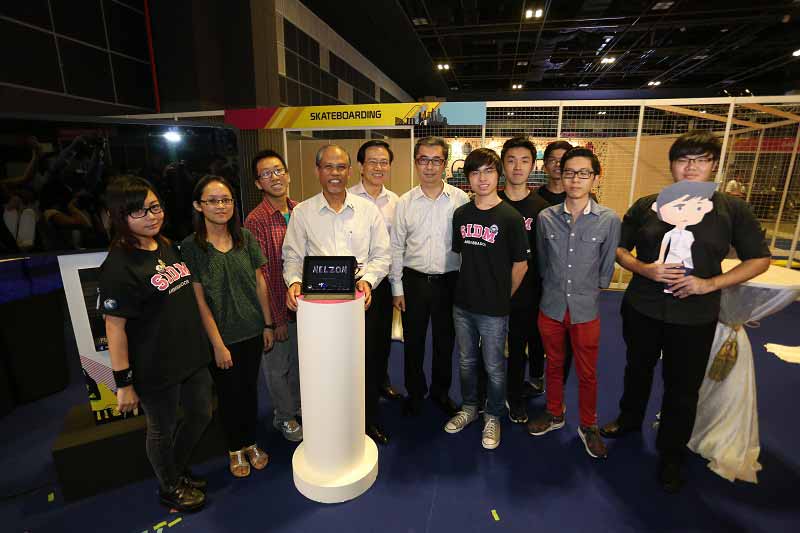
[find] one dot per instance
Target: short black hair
(580, 151)
(480, 157)
(556, 145)
(432, 141)
(696, 142)
(518, 142)
(263, 154)
(362, 152)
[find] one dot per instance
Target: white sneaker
(491, 432)
(461, 420)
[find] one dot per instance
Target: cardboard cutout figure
(682, 204)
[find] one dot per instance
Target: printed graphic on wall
(80, 275)
(366, 115)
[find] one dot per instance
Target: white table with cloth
(726, 428)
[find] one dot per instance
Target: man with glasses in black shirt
(679, 324)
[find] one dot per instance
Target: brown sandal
(239, 467)
(257, 457)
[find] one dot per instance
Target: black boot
(183, 497)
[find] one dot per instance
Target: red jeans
(585, 340)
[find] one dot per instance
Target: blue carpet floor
(430, 481)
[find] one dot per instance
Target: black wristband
(123, 378)
(269, 326)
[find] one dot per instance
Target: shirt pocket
(589, 258)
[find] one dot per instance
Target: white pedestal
(336, 461)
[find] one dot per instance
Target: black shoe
(517, 412)
(390, 393)
(669, 475)
(412, 407)
(377, 434)
(183, 498)
(446, 404)
(533, 388)
(615, 429)
(193, 481)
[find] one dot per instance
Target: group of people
(515, 267)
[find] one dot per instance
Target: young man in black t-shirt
(518, 157)
(490, 236)
(553, 191)
(678, 326)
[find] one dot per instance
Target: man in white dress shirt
(375, 158)
(424, 274)
(335, 222)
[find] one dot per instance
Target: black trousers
(428, 298)
(237, 390)
(377, 344)
(523, 333)
(685, 352)
(170, 442)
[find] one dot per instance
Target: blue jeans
(491, 332)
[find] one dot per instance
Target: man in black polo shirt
(679, 324)
(518, 156)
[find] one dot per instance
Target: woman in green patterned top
(232, 295)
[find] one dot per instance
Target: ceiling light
(583, 85)
(420, 21)
(454, 88)
(796, 53)
(657, 83)
(607, 60)
(702, 56)
(440, 66)
(654, 83)
(703, 111)
(538, 13)
(510, 113)
(724, 30)
(609, 37)
(446, 66)
(650, 83)
(661, 6)
(522, 63)
(172, 136)
(528, 13)
(601, 112)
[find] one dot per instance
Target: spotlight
(538, 13)
(446, 66)
(608, 60)
(528, 13)
(440, 66)
(172, 136)
(796, 53)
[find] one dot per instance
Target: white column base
(336, 489)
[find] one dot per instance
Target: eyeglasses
(699, 161)
(141, 213)
(277, 172)
(330, 168)
(491, 171)
(219, 202)
(378, 162)
(426, 161)
(583, 174)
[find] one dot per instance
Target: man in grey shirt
(576, 243)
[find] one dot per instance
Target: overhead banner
(362, 115)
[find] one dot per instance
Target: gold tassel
(725, 357)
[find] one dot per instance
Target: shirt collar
(446, 190)
(322, 203)
(270, 210)
(360, 190)
(586, 210)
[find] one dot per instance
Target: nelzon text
(346, 115)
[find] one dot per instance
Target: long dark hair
(125, 195)
(199, 220)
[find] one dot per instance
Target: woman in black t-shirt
(159, 351)
(232, 296)
(671, 312)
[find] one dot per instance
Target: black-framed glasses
(426, 161)
(277, 172)
(141, 213)
(700, 161)
(219, 202)
(583, 174)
